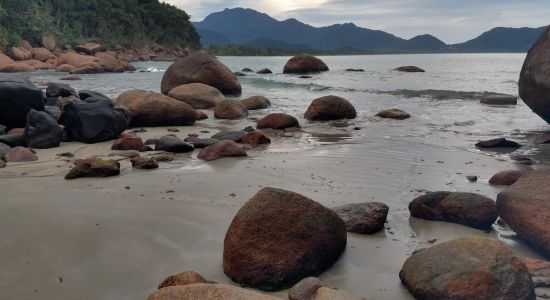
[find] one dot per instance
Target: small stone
(173, 144)
(394, 113)
(264, 71)
(173, 130)
(255, 138)
(472, 178)
(144, 163)
(94, 167)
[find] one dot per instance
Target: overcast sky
(450, 20)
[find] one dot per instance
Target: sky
(453, 21)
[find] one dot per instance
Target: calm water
(444, 101)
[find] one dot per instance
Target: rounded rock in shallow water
(221, 149)
(278, 121)
(393, 113)
(230, 110)
(170, 143)
(304, 63)
(363, 218)
(330, 108)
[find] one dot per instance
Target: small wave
(154, 70)
(269, 83)
(439, 94)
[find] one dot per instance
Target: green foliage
(239, 50)
(128, 23)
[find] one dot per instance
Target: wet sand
(119, 237)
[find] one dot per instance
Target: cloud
(451, 20)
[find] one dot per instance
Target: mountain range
(250, 28)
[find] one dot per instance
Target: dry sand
(98, 239)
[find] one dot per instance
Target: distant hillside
(112, 22)
(253, 29)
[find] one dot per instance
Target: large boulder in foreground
(198, 95)
(534, 81)
(42, 130)
(469, 268)
(154, 109)
(303, 64)
(330, 108)
(468, 209)
(525, 207)
(363, 218)
(18, 96)
(280, 237)
(201, 67)
(207, 291)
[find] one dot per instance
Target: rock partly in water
(144, 163)
(154, 109)
(256, 102)
(236, 136)
(278, 121)
(309, 238)
(224, 148)
(20, 154)
(62, 90)
(255, 138)
(330, 108)
(410, 69)
(306, 289)
(468, 209)
(170, 143)
(500, 100)
(507, 177)
(199, 143)
(305, 63)
(264, 71)
(184, 278)
(480, 268)
(201, 67)
(94, 167)
(128, 142)
(247, 70)
(42, 130)
(198, 95)
(207, 291)
(18, 96)
(363, 218)
(393, 113)
(497, 143)
(355, 70)
(525, 207)
(231, 110)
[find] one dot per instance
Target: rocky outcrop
(221, 149)
(468, 209)
(18, 96)
(278, 121)
(128, 142)
(534, 81)
(393, 113)
(94, 167)
(144, 163)
(309, 238)
(256, 102)
(207, 291)
(18, 67)
(363, 218)
(480, 268)
(525, 207)
(231, 110)
(330, 108)
(303, 64)
(201, 67)
(154, 109)
(42, 54)
(42, 130)
(198, 95)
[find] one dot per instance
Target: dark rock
(128, 142)
(181, 279)
(62, 90)
(363, 218)
(303, 237)
(468, 209)
(393, 113)
(534, 81)
(3, 129)
(151, 141)
(306, 289)
(3, 149)
(256, 102)
(2, 164)
(305, 77)
(410, 69)
(201, 115)
(94, 167)
(255, 138)
(231, 110)
(247, 70)
(85, 94)
(18, 96)
(248, 129)
(469, 268)
(278, 121)
(170, 143)
(20, 154)
(500, 100)
(70, 78)
(198, 95)
(330, 108)
(540, 272)
(14, 140)
(305, 63)
(264, 71)
(236, 136)
(239, 74)
(507, 177)
(525, 207)
(355, 70)
(89, 48)
(54, 111)
(201, 143)
(146, 148)
(201, 67)
(144, 163)
(94, 122)
(42, 130)
(498, 143)
(224, 148)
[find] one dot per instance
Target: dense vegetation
(127, 23)
(239, 50)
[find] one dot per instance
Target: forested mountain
(112, 22)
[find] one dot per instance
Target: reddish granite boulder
(231, 110)
(185, 278)
(144, 163)
(330, 108)
(394, 113)
(363, 218)
(221, 149)
(278, 121)
(198, 95)
(255, 138)
(256, 102)
(507, 177)
(128, 142)
(304, 63)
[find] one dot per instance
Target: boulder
(49, 42)
(19, 54)
(18, 96)
(144, 163)
(94, 167)
(201, 67)
(42, 130)
(75, 59)
(534, 81)
(480, 268)
(304, 63)
(89, 48)
(410, 69)
(70, 78)
(330, 108)
(393, 113)
(507, 177)
(154, 109)
(198, 95)
(20, 154)
(42, 54)
(540, 272)
(247, 70)
(207, 291)
(525, 207)
(201, 115)
(66, 68)
(363, 218)
(85, 94)
(199, 143)
(38, 65)
(468, 209)
(17, 67)
(236, 136)
(277, 121)
(25, 45)
(306, 289)
(62, 90)
(256, 102)
(264, 71)
(181, 279)
(231, 110)
(5, 60)
(170, 143)
(94, 122)
(500, 100)
(255, 138)
(498, 143)
(221, 149)
(239, 74)
(303, 237)
(128, 142)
